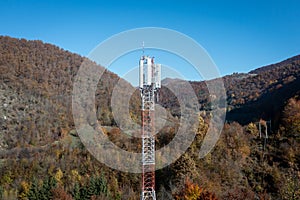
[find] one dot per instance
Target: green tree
(92, 188)
(84, 193)
(42, 192)
(33, 193)
(101, 184)
(45, 191)
(1, 192)
(97, 186)
(76, 192)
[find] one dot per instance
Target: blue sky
(239, 35)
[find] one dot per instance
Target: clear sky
(239, 35)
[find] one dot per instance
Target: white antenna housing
(149, 71)
(141, 67)
(158, 75)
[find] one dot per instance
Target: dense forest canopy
(42, 157)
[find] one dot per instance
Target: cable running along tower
(149, 83)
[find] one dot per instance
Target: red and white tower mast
(149, 83)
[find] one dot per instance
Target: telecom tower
(149, 83)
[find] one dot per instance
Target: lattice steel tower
(150, 82)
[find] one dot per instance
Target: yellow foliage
(75, 175)
(252, 129)
(208, 158)
(57, 153)
(6, 179)
(58, 176)
(193, 192)
(202, 126)
(104, 130)
(25, 187)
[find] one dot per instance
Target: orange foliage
(192, 191)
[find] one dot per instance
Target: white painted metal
(149, 71)
(141, 69)
(158, 75)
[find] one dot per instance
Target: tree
(45, 190)
(92, 188)
(33, 193)
(239, 193)
(291, 118)
(1, 192)
(42, 192)
(24, 190)
(290, 189)
(60, 194)
(102, 185)
(97, 186)
(192, 191)
(76, 192)
(84, 193)
(58, 176)
(182, 168)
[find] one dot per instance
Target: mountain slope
(36, 83)
(261, 93)
(290, 61)
(41, 156)
(264, 92)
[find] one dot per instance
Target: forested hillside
(251, 96)
(42, 157)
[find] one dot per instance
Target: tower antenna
(149, 84)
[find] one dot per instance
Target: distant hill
(264, 92)
(36, 83)
(261, 93)
(292, 60)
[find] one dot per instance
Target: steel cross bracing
(148, 142)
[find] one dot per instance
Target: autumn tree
(192, 191)
(291, 118)
(24, 190)
(60, 194)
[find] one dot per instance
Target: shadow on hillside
(268, 107)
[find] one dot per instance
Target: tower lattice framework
(149, 84)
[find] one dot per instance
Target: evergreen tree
(43, 192)
(48, 185)
(84, 193)
(76, 192)
(97, 186)
(92, 188)
(1, 192)
(101, 185)
(33, 193)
